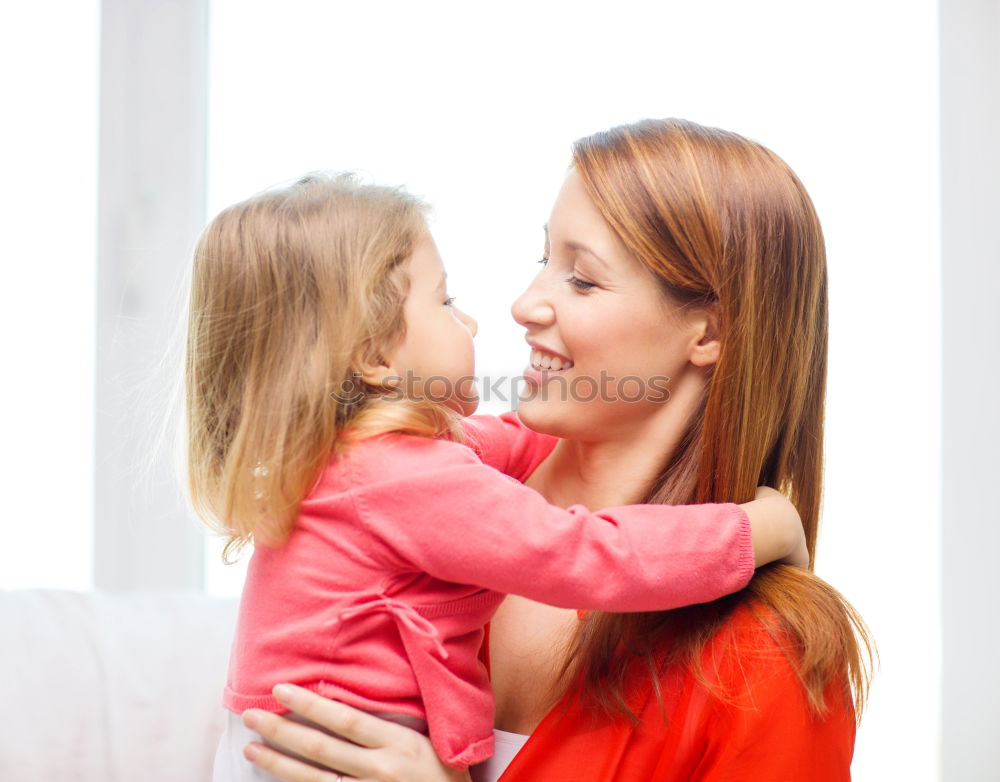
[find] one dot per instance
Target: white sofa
(111, 687)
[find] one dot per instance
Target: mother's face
(609, 348)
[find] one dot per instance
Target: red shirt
(763, 729)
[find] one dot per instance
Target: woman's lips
(539, 376)
(543, 364)
(546, 359)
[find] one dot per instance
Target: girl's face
(607, 345)
(436, 358)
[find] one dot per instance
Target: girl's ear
(705, 351)
(374, 367)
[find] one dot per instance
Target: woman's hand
(381, 751)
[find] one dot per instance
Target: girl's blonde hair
(290, 290)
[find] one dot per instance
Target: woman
(687, 252)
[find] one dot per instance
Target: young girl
(327, 376)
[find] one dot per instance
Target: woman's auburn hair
(291, 289)
(723, 222)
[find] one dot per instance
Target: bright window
(48, 156)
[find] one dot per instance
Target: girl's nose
(469, 321)
(534, 305)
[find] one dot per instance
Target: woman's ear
(706, 350)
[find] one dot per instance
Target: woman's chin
(546, 416)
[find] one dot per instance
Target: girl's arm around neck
(431, 506)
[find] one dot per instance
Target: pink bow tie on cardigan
(404, 613)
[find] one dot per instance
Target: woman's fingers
(308, 744)
(364, 748)
(285, 768)
(357, 726)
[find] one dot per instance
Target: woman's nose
(533, 306)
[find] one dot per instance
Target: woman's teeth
(540, 360)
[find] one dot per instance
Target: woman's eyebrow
(577, 247)
(582, 248)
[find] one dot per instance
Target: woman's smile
(544, 363)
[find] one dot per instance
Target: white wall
(970, 167)
(474, 107)
(151, 210)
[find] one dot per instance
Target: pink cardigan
(407, 545)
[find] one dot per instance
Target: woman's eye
(449, 301)
(544, 260)
(580, 285)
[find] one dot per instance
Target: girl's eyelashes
(543, 260)
(449, 301)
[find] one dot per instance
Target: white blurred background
(472, 107)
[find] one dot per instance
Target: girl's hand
(382, 751)
(776, 529)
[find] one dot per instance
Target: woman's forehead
(576, 223)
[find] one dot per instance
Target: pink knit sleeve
(440, 511)
(506, 444)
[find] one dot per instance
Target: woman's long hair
(290, 290)
(723, 222)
